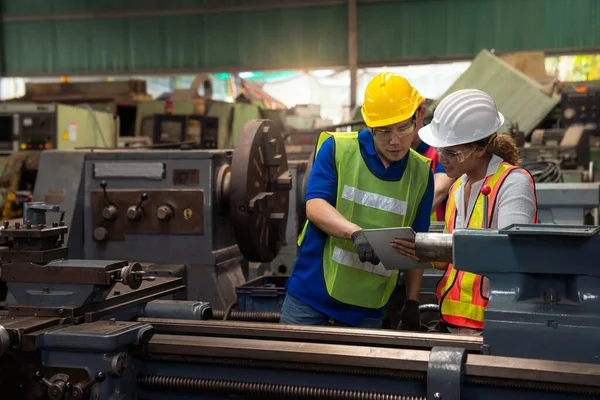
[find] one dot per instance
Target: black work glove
(410, 316)
(363, 248)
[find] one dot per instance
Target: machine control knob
(133, 275)
(56, 386)
(165, 213)
(100, 234)
(81, 389)
(109, 212)
(136, 212)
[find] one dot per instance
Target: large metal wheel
(259, 191)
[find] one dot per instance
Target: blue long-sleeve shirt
(306, 282)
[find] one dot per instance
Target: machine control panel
(193, 130)
(581, 108)
(120, 212)
(28, 131)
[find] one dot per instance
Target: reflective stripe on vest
(459, 293)
(369, 202)
(439, 213)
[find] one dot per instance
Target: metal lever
(110, 211)
(134, 213)
(56, 389)
(81, 389)
(103, 185)
(143, 198)
(485, 191)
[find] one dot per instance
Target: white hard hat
(464, 116)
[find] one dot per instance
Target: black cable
(544, 171)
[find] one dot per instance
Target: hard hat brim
(427, 135)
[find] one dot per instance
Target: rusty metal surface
(100, 327)
(33, 231)
(185, 209)
(34, 256)
(333, 335)
(546, 371)
(27, 272)
(292, 352)
(477, 366)
(259, 191)
(29, 324)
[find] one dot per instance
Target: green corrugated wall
(451, 28)
(285, 37)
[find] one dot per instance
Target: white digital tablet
(380, 240)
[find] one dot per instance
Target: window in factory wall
(574, 68)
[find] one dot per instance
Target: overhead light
(245, 75)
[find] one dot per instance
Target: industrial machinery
(177, 130)
(17, 182)
(118, 98)
(31, 128)
(226, 118)
(200, 214)
(560, 155)
(581, 108)
(90, 329)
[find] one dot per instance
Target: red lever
(485, 191)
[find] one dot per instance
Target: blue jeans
(297, 312)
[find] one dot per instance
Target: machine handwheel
(259, 191)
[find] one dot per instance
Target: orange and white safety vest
(459, 293)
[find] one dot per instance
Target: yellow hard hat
(389, 99)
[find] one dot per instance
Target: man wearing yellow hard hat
(370, 179)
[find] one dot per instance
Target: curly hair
(504, 147)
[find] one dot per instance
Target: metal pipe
(434, 246)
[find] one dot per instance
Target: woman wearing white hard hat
(464, 133)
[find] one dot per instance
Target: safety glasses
(456, 156)
(385, 134)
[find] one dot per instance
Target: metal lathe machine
(94, 329)
(201, 215)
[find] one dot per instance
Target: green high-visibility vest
(369, 202)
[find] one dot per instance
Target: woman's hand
(405, 248)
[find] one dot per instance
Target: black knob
(143, 198)
(81, 389)
(103, 185)
(38, 376)
(100, 377)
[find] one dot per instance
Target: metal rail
(314, 334)
(479, 369)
